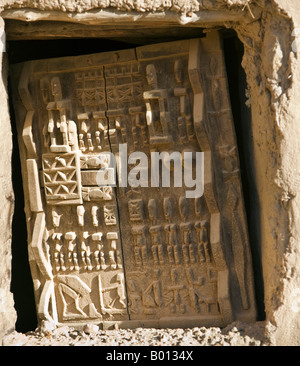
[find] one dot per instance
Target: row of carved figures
(166, 209)
(60, 134)
(176, 246)
(176, 240)
(136, 210)
(109, 216)
(183, 289)
(65, 251)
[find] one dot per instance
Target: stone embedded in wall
(110, 253)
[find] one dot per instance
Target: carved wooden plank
(34, 187)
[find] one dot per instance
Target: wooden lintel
(25, 24)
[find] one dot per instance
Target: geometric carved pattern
(61, 176)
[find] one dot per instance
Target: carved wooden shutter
(136, 255)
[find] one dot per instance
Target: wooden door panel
(106, 252)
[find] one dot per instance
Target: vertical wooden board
(34, 186)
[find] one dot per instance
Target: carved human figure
(121, 290)
(80, 215)
(152, 209)
(157, 115)
(174, 295)
(75, 289)
(98, 253)
(59, 256)
(85, 251)
(72, 135)
(134, 296)
(56, 89)
(184, 120)
(121, 294)
(51, 131)
(187, 242)
(84, 123)
(156, 234)
(184, 208)
(72, 253)
(139, 127)
(101, 133)
(157, 244)
(151, 76)
(61, 123)
(195, 295)
(46, 136)
(89, 142)
(81, 142)
(140, 248)
(98, 140)
(94, 211)
(172, 248)
(152, 295)
(203, 247)
(64, 130)
(45, 89)
(168, 209)
(114, 253)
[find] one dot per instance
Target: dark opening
(21, 281)
(233, 52)
(20, 51)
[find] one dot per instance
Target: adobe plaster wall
(272, 66)
(272, 70)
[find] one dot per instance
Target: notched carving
(109, 215)
(62, 179)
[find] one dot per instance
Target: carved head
(151, 75)
(184, 207)
(120, 278)
(55, 218)
(56, 87)
(152, 208)
(168, 209)
(178, 71)
(44, 86)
